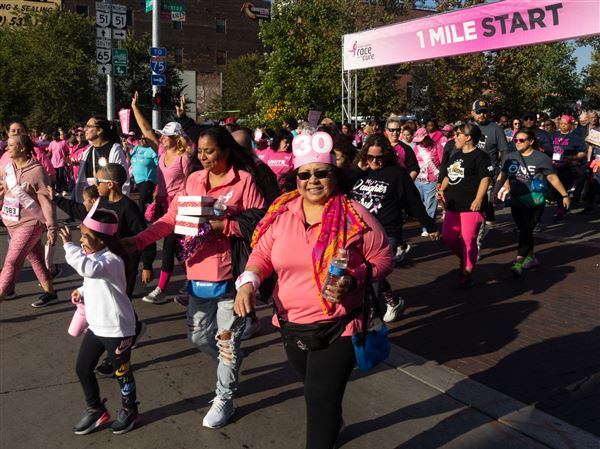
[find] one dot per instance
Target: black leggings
(526, 219)
(146, 190)
(325, 374)
(119, 352)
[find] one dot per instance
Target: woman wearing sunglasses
(387, 191)
(521, 168)
(312, 223)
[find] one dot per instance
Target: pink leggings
(24, 242)
(459, 232)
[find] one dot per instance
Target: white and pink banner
(505, 24)
(125, 120)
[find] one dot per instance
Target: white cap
(171, 129)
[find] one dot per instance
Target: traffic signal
(157, 100)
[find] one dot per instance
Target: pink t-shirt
(280, 162)
(58, 151)
(76, 157)
(296, 293)
(429, 160)
(212, 262)
(170, 178)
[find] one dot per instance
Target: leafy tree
(240, 79)
(591, 81)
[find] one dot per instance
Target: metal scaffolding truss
(349, 97)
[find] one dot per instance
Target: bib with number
(557, 155)
(10, 209)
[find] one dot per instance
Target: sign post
(155, 45)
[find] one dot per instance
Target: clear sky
(584, 57)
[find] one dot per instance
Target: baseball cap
(447, 128)
(420, 135)
(171, 129)
(480, 106)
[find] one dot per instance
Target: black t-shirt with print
(100, 152)
(465, 171)
(566, 145)
(519, 177)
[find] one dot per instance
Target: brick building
(214, 31)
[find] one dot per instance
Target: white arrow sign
(119, 34)
(103, 33)
(103, 43)
(104, 69)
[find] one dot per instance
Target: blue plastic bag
(371, 348)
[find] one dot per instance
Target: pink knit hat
(309, 148)
(420, 135)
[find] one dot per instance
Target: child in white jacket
(110, 317)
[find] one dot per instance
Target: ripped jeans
(216, 330)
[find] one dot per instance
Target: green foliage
(47, 70)
(591, 81)
(240, 79)
(49, 76)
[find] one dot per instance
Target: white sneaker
(221, 410)
(156, 296)
(393, 313)
(424, 234)
(252, 328)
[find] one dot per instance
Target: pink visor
(95, 225)
(313, 148)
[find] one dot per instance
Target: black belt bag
(314, 336)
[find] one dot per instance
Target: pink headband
(95, 225)
(312, 148)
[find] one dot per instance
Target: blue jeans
(427, 191)
(216, 330)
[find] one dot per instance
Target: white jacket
(108, 310)
(116, 156)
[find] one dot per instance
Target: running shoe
(517, 268)
(424, 234)
(56, 273)
(465, 282)
(530, 262)
(252, 328)
(105, 369)
(126, 420)
(219, 414)
(45, 299)
(393, 312)
(156, 296)
(401, 252)
(140, 330)
(11, 295)
(92, 419)
(183, 299)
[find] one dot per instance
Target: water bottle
(337, 269)
(219, 208)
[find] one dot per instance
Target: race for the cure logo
(364, 52)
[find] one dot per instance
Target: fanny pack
(314, 336)
(209, 290)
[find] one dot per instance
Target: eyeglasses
(372, 157)
(319, 174)
(521, 140)
(91, 126)
(98, 180)
(393, 130)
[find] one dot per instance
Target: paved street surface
(468, 369)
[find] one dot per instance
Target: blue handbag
(371, 347)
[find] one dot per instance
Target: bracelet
(247, 277)
(565, 196)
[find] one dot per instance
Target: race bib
(557, 155)
(10, 209)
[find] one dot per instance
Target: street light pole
(155, 43)
(110, 81)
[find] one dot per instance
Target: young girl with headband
(110, 316)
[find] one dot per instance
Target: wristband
(247, 277)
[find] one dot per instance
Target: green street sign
(120, 56)
(149, 5)
(172, 7)
(119, 70)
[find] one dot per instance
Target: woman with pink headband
(314, 222)
(27, 211)
(109, 315)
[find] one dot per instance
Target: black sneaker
(91, 419)
(45, 299)
(105, 369)
(464, 282)
(56, 273)
(140, 330)
(126, 420)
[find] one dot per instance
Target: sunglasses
(393, 130)
(371, 157)
(521, 140)
(516, 124)
(319, 174)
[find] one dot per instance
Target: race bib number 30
(10, 209)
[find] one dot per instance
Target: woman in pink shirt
(27, 210)
(279, 156)
(212, 325)
(77, 151)
(312, 223)
(58, 151)
(174, 165)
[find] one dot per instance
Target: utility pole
(155, 43)
(110, 82)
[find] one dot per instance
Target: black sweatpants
(526, 219)
(146, 191)
(325, 374)
(119, 353)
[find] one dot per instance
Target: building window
(82, 10)
(129, 17)
(221, 57)
(221, 25)
(179, 55)
(177, 25)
